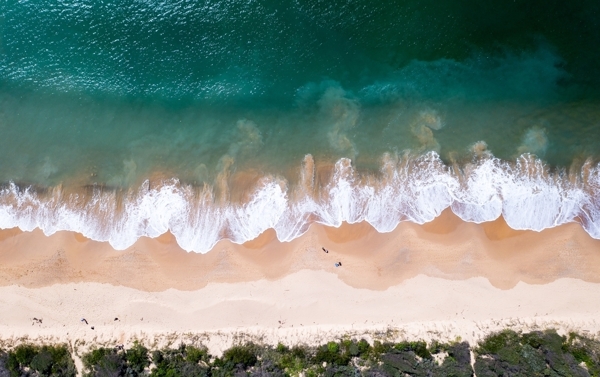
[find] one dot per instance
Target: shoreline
(241, 205)
(447, 248)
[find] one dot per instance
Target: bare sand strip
(306, 306)
(440, 280)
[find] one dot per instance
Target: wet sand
(446, 274)
(446, 248)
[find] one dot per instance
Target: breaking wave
(525, 192)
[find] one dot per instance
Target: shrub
(330, 353)
(363, 346)
(184, 361)
(113, 362)
(505, 353)
(531, 354)
(44, 360)
(493, 343)
(104, 362)
(419, 348)
(584, 350)
(137, 359)
(281, 348)
(292, 360)
(379, 349)
(242, 356)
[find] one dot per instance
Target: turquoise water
(220, 119)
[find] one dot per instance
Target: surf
(526, 193)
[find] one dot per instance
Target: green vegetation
(538, 353)
(584, 350)
(39, 361)
(505, 353)
(183, 361)
(116, 362)
(343, 358)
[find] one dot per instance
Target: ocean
(221, 119)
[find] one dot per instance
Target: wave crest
(525, 192)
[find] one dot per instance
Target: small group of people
(86, 322)
(337, 264)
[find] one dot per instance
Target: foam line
(417, 189)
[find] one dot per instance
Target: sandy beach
(441, 280)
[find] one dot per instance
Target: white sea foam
(415, 189)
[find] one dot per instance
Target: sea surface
(221, 119)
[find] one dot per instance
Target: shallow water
(221, 119)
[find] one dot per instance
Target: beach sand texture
(441, 280)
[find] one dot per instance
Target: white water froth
(415, 189)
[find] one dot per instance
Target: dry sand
(441, 280)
